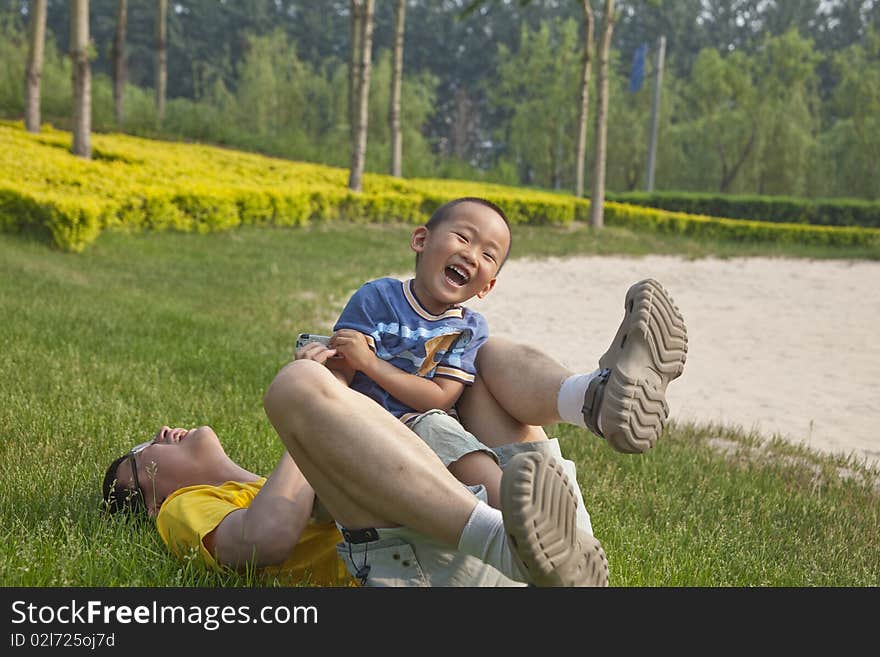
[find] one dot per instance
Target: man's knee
(491, 349)
(295, 385)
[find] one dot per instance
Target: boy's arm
(319, 353)
(417, 392)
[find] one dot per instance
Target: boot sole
(540, 513)
(648, 352)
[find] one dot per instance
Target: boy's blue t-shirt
(411, 338)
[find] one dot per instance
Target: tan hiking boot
(539, 509)
(626, 403)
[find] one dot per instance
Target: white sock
(483, 537)
(570, 402)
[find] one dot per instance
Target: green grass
(100, 348)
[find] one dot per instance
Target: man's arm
(417, 392)
(265, 532)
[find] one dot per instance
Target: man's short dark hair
(444, 212)
(118, 498)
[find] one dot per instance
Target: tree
(787, 84)
(363, 11)
(161, 57)
(581, 148)
(82, 79)
(119, 68)
(34, 73)
(597, 198)
(723, 103)
(536, 88)
(396, 84)
(354, 64)
(854, 139)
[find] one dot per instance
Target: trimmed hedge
(739, 230)
(137, 184)
(784, 209)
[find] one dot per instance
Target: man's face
(173, 459)
(459, 259)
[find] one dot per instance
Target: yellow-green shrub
(643, 218)
(136, 184)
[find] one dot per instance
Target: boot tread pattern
(634, 408)
(540, 519)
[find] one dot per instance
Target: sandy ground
(785, 346)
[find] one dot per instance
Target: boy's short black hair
(119, 499)
(444, 212)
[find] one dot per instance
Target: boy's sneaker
(539, 509)
(626, 403)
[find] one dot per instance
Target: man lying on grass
(373, 473)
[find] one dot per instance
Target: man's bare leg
(352, 451)
(371, 471)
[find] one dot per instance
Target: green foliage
(280, 106)
(744, 120)
(722, 121)
(418, 97)
(785, 76)
(786, 103)
(741, 230)
(56, 95)
(538, 89)
(825, 212)
(854, 140)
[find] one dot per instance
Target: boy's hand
(315, 351)
(352, 345)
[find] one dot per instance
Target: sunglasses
(130, 457)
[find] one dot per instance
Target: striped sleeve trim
(455, 373)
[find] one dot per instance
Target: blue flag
(637, 75)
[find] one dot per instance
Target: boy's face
(459, 259)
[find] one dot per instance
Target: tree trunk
(728, 174)
(82, 78)
(462, 124)
(119, 70)
(581, 151)
(354, 66)
(597, 198)
(161, 57)
(34, 74)
(557, 158)
(396, 84)
(359, 147)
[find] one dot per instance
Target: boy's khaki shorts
(447, 437)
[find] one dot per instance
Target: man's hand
(353, 347)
